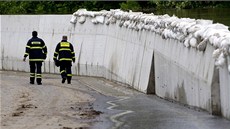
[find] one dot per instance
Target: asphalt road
(93, 103)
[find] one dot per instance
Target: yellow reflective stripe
(44, 46)
(64, 49)
(28, 46)
(38, 75)
(32, 74)
(35, 47)
(65, 59)
(69, 74)
(26, 53)
(55, 52)
(54, 57)
(36, 42)
(74, 57)
(73, 52)
(65, 44)
(62, 71)
(35, 59)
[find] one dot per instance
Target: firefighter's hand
(24, 59)
(44, 56)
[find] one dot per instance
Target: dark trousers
(65, 69)
(36, 65)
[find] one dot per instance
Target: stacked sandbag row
(194, 33)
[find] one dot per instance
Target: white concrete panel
(77, 41)
(225, 89)
(186, 88)
(120, 49)
(99, 49)
(128, 63)
(145, 63)
(138, 55)
(145, 69)
(87, 50)
(110, 58)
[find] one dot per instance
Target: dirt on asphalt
(49, 106)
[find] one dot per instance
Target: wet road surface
(93, 103)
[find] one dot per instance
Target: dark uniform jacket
(64, 52)
(36, 49)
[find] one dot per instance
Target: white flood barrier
(187, 60)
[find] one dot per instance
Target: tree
(130, 5)
(69, 7)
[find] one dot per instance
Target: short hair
(34, 33)
(64, 37)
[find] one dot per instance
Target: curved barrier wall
(123, 55)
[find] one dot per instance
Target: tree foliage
(130, 5)
(68, 7)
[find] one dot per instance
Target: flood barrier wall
(123, 55)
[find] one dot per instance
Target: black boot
(69, 79)
(32, 80)
(63, 80)
(39, 81)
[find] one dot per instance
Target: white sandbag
(82, 19)
(100, 19)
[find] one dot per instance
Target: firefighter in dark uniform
(64, 55)
(37, 51)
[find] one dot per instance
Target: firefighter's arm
(24, 59)
(72, 53)
(44, 48)
(56, 53)
(27, 51)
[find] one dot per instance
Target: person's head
(64, 37)
(34, 33)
